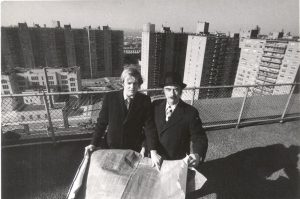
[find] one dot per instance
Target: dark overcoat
(182, 134)
(125, 127)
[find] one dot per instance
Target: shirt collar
(172, 106)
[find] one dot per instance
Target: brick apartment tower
(162, 52)
(98, 53)
(211, 60)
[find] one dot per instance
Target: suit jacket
(125, 127)
(183, 128)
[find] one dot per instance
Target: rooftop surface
(251, 162)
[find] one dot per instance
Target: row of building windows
(62, 77)
(34, 78)
(49, 77)
(37, 83)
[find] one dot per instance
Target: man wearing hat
(178, 124)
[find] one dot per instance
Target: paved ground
(250, 162)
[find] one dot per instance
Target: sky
(222, 15)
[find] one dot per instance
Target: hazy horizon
(129, 15)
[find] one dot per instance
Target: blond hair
(133, 72)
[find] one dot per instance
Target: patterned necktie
(168, 113)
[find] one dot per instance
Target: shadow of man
(261, 172)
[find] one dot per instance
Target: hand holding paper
(142, 152)
(156, 159)
(193, 160)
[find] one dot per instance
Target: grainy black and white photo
(150, 99)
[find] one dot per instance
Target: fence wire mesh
(220, 109)
(261, 103)
(72, 113)
(293, 108)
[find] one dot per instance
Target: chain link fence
(60, 114)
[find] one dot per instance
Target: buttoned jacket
(182, 134)
(125, 127)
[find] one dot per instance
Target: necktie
(168, 113)
(128, 100)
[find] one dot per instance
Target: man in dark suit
(178, 124)
(124, 115)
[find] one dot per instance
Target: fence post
(242, 109)
(51, 129)
(65, 118)
(192, 101)
(287, 103)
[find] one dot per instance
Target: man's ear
(180, 91)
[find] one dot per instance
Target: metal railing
(59, 114)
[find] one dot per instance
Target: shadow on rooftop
(40, 171)
(46, 171)
(258, 173)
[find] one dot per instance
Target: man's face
(131, 86)
(172, 94)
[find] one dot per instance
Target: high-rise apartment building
(117, 56)
(162, 52)
(289, 70)
(248, 67)
(99, 53)
(26, 46)
(11, 51)
(211, 60)
(267, 61)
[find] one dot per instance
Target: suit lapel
(133, 107)
(175, 117)
(161, 115)
(121, 104)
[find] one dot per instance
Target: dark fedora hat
(172, 79)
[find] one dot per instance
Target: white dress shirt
(172, 108)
